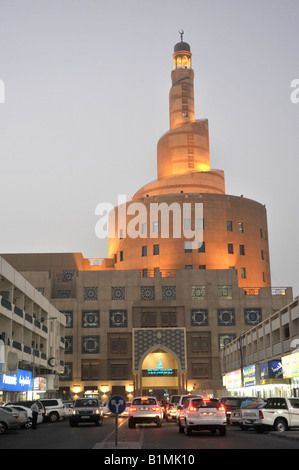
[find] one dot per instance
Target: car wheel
(181, 429)
(222, 431)
(188, 430)
(280, 425)
(28, 424)
(3, 427)
(54, 417)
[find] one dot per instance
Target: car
(235, 413)
(28, 411)
(202, 414)
(28, 404)
(145, 410)
(232, 403)
(68, 406)
(180, 405)
(54, 409)
(10, 418)
(126, 412)
(171, 408)
(250, 414)
(87, 410)
(104, 405)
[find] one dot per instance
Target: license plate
(208, 414)
(85, 417)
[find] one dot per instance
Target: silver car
(10, 418)
(145, 410)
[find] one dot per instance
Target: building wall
(106, 310)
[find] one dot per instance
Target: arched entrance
(159, 361)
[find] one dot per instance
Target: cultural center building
(153, 316)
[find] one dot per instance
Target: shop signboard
(249, 376)
(233, 379)
(20, 382)
(271, 371)
(290, 366)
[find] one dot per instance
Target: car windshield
(254, 405)
(81, 403)
(200, 403)
(148, 401)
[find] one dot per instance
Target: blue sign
(20, 382)
(117, 404)
(249, 376)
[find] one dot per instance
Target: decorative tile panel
(223, 340)
(252, 316)
(68, 345)
(90, 293)
(90, 319)
(118, 293)
(168, 292)
(147, 293)
(68, 372)
(199, 317)
(147, 338)
(118, 318)
(225, 292)
(90, 344)
(226, 317)
(69, 318)
(64, 294)
(67, 276)
(198, 292)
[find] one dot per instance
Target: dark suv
(87, 410)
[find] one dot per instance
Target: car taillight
(261, 415)
(192, 408)
(133, 409)
(221, 408)
(156, 408)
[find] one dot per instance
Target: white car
(20, 415)
(145, 410)
(202, 414)
(126, 412)
(28, 424)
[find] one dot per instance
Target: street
(61, 436)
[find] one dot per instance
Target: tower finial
(181, 33)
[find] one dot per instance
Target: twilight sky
(86, 100)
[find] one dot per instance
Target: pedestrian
(35, 410)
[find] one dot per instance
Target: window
(188, 266)
(242, 249)
(144, 251)
(121, 256)
(202, 266)
(90, 371)
(261, 232)
(229, 225)
(144, 272)
(200, 370)
(156, 249)
(199, 344)
(230, 248)
(121, 233)
(262, 254)
(148, 320)
(144, 229)
(201, 247)
(168, 319)
(243, 273)
(119, 371)
(188, 247)
(240, 227)
(119, 345)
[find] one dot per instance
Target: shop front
(16, 386)
(262, 380)
(290, 365)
